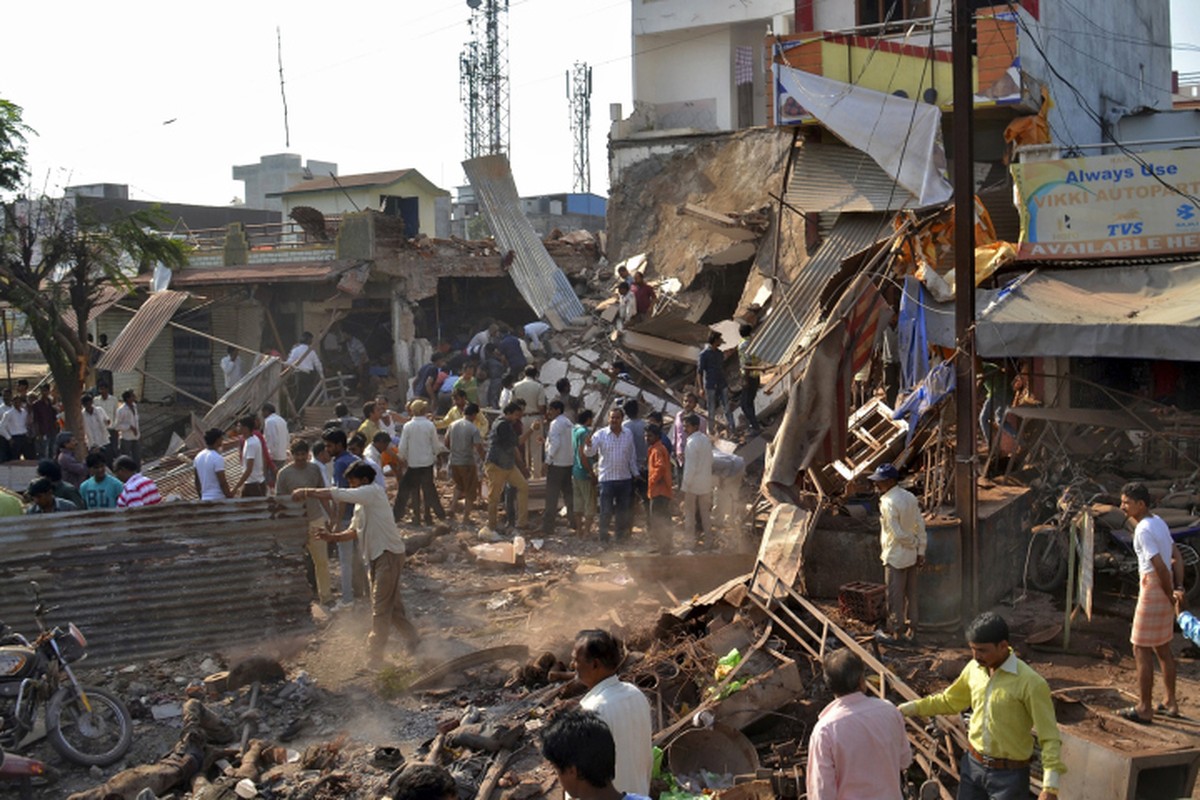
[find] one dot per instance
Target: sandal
(1166, 712)
(1132, 715)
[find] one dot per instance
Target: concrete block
(626, 389)
(552, 371)
(591, 400)
(1098, 769)
(588, 355)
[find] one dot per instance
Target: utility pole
(964, 298)
(579, 95)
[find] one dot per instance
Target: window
(874, 12)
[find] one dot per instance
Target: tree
(54, 264)
(13, 131)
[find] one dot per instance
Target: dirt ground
(565, 585)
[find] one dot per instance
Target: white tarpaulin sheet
(877, 124)
(1150, 312)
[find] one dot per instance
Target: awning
(285, 272)
(829, 178)
(1150, 312)
(125, 354)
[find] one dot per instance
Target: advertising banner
(1109, 206)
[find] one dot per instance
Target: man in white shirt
(275, 433)
(560, 459)
(1160, 571)
(253, 482)
(383, 547)
(14, 427)
(596, 658)
(418, 451)
(902, 549)
(107, 401)
(307, 364)
(95, 425)
(534, 332)
(530, 389)
(697, 483)
(479, 340)
(209, 467)
(231, 367)
(129, 426)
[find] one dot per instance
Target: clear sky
(370, 86)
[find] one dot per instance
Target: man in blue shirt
(711, 383)
(510, 348)
(101, 490)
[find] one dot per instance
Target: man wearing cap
(902, 541)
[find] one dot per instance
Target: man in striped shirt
(139, 490)
(616, 468)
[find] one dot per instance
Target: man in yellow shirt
(1008, 700)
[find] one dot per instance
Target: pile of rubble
(731, 677)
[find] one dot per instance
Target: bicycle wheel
(1046, 563)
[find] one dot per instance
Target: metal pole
(964, 298)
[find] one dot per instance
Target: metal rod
(964, 299)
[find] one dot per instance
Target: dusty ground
(564, 586)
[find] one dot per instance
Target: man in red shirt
(643, 295)
(658, 490)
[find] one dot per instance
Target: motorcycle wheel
(1046, 563)
(1191, 572)
(93, 738)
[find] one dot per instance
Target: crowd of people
(32, 428)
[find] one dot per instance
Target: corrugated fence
(163, 580)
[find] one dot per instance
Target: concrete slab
(552, 371)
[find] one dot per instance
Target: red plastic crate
(862, 600)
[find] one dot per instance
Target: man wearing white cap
(902, 540)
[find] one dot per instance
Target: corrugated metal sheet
(112, 323)
(538, 278)
(164, 580)
(829, 178)
(126, 352)
(793, 314)
(109, 296)
(255, 388)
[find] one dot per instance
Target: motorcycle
(1046, 559)
(24, 772)
(86, 725)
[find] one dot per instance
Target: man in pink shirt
(858, 747)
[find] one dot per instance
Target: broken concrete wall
(732, 173)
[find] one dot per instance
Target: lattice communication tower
(579, 95)
(483, 79)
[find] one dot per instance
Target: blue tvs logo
(1186, 211)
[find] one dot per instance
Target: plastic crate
(863, 601)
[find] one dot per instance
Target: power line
(1105, 129)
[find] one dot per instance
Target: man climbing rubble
(383, 547)
(621, 706)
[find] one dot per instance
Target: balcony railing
(910, 58)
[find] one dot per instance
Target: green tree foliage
(13, 131)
